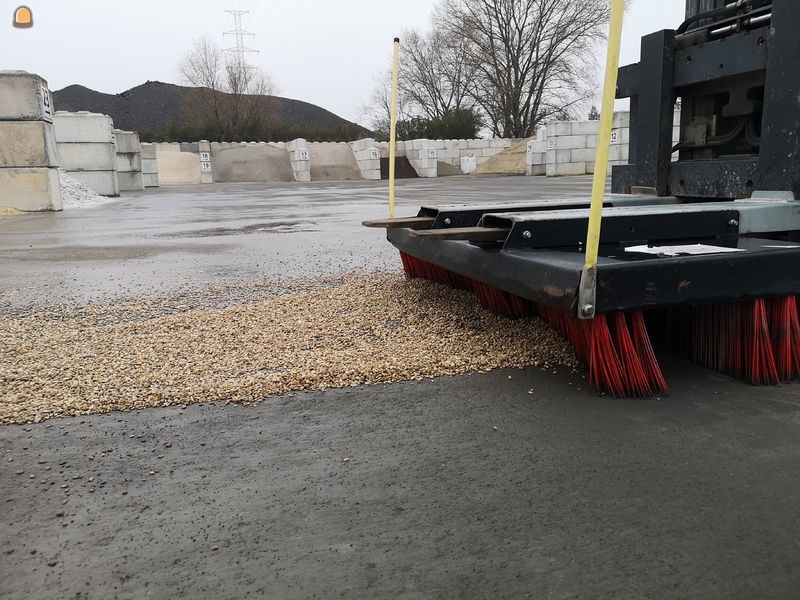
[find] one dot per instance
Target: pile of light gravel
(350, 330)
(76, 194)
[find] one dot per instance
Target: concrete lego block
(499, 143)
(585, 127)
(147, 150)
(130, 181)
(621, 135)
(27, 144)
(192, 147)
(204, 146)
(127, 141)
(165, 147)
(538, 145)
(538, 158)
(206, 167)
(559, 128)
(24, 97)
(489, 152)
(565, 169)
(583, 155)
(417, 145)
(591, 141)
(535, 170)
(621, 119)
(101, 182)
(83, 127)
(570, 142)
(128, 162)
(149, 166)
(295, 144)
(150, 180)
(89, 156)
(558, 156)
(30, 188)
(618, 152)
(359, 145)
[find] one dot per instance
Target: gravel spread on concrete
(246, 342)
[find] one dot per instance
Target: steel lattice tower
(240, 49)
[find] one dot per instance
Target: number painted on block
(47, 105)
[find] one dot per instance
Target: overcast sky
(327, 52)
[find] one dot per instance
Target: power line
(296, 29)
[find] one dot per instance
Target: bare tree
(529, 58)
(227, 93)
(378, 108)
(434, 72)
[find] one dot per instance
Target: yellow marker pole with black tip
(587, 290)
(393, 126)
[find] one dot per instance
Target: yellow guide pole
(604, 137)
(392, 127)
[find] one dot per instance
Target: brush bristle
(755, 340)
(622, 364)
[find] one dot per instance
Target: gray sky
(327, 52)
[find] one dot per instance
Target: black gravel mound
(155, 104)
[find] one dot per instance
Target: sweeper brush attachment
(699, 253)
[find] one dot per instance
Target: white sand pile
(76, 194)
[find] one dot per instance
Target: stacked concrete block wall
(569, 147)
(87, 149)
(536, 156)
(300, 157)
(465, 154)
(28, 153)
(149, 165)
(368, 157)
(129, 161)
(206, 165)
(423, 156)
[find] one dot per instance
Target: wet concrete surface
(574, 495)
(186, 236)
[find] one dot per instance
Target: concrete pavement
(573, 495)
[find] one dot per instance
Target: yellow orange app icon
(23, 17)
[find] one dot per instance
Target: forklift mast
(735, 68)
